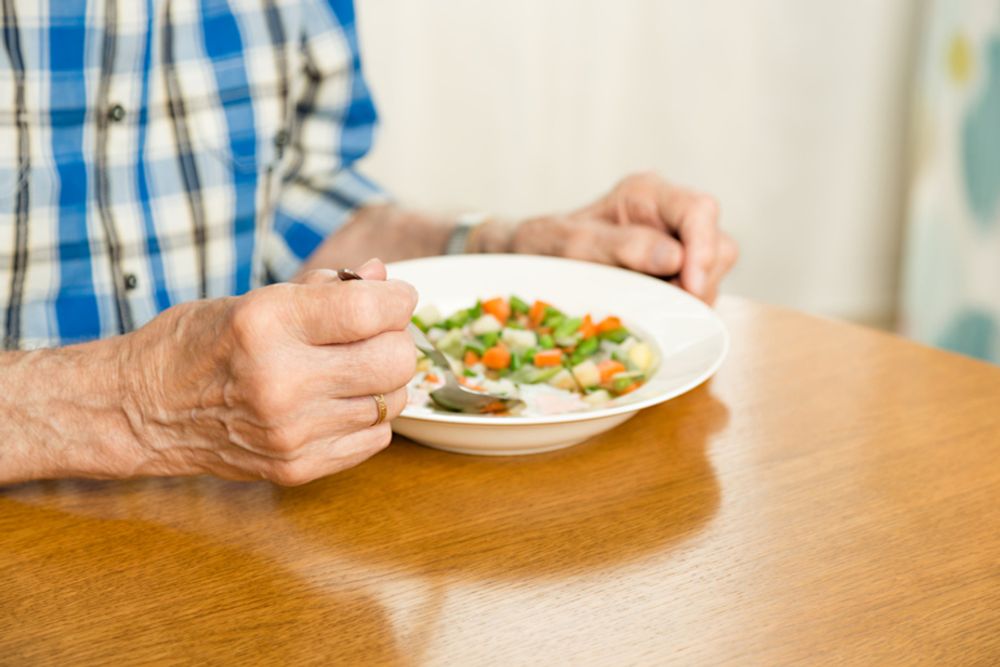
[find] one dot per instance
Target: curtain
(951, 287)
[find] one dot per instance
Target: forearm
(61, 414)
(392, 233)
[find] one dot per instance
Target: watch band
(459, 239)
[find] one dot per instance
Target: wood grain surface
(831, 497)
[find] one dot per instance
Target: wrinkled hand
(645, 224)
(275, 384)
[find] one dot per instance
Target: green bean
(518, 305)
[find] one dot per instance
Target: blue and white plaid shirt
(157, 151)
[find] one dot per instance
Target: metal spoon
(453, 396)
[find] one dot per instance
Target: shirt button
(131, 281)
(280, 141)
(116, 113)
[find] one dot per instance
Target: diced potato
(423, 365)
(563, 380)
(451, 343)
(434, 334)
(485, 324)
(599, 397)
(519, 340)
(587, 374)
(641, 354)
(502, 387)
(429, 315)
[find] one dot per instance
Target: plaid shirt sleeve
(332, 130)
(156, 152)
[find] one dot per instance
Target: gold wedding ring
(382, 409)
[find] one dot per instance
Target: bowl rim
(587, 415)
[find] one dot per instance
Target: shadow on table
(636, 491)
(255, 570)
(94, 591)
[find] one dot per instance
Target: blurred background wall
(793, 113)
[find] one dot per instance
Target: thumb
(373, 269)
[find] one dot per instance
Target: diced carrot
(548, 358)
(609, 324)
(609, 367)
(498, 308)
(497, 357)
(629, 389)
(537, 312)
(587, 327)
(471, 358)
(430, 377)
(497, 406)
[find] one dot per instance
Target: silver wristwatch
(459, 239)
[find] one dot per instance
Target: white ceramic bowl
(690, 339)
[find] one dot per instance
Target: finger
(634, 247)
(327, 419)
(340, 416)
(329, 458)
(316, 277)
(373, 269)
(308, 430)
(344, 312)
(699, 232)
(378, 365)
(362, 411)
(727, 254)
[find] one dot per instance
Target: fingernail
(370, 262)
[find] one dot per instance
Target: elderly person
(176, 182)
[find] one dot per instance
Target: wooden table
(832, 496)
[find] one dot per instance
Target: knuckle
(401, 359)
(408, 296)
(267, 394)
(290, 473)
(362, 308)
(644, 177)
(284, 439)
(249, 319)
